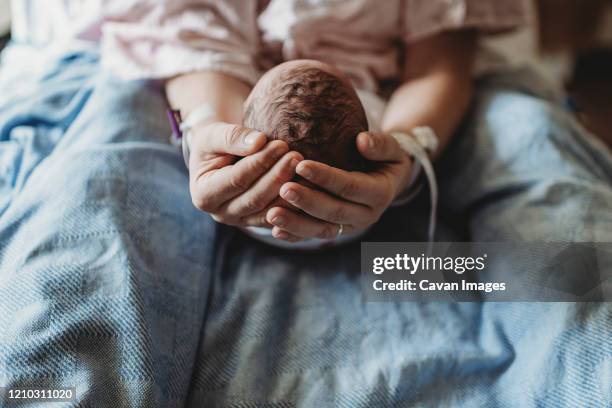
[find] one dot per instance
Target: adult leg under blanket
(524, 170)
(104, 262)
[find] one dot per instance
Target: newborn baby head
(311, 106)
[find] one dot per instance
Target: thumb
(225, 138)
(378, 147)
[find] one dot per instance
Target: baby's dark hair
(315, 112)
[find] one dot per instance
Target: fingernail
(371, 142)
(278, 221)
(280, 149)
(306, 172)
(293, 163)
(290, 195)
(282, 235)
(251, 138)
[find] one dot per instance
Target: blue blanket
(111, 282)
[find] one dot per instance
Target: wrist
(420, 144)
(411, 185)
(184, 128)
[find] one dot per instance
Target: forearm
(439, 101)
(438, 87)
(223, 92)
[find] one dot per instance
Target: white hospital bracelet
(427, 139)
(419, 144)
(198, 115)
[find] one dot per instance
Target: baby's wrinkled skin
(313, 107)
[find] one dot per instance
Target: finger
(259, 219)
(225, 138)
(379, 147)
(264, 190)
(284, 235)
(357, 187)
(279, 202)
(256, 220)
(302, 225)
(323, 206)
(216, 187)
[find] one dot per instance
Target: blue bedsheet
(110, 280)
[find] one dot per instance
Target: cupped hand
(354, 199)
(235, 174)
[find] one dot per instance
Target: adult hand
(354, 199)
(235, 175)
